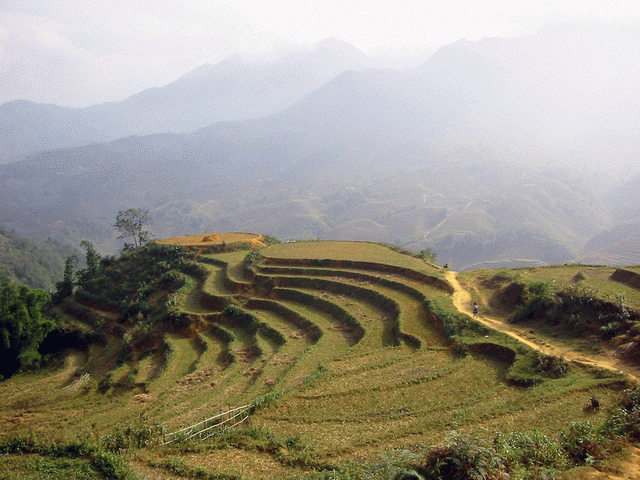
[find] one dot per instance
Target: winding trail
(462, 302)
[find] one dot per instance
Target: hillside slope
(341, 353)
(38, 263)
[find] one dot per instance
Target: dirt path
(630, 467)
(462, 302)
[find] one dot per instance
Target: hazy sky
(81, 52)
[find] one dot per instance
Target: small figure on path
(595, 404)
(475, 309)
(446, 265)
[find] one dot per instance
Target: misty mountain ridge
(475, 153)
(233, 89)
(557, 90)
(28, 127)
(536, 96)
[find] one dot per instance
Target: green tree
(22, 326)
(92, 259)
(64, 288)
(131, 223)
(428, 255)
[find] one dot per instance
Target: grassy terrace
(358, 346)
(354, 251)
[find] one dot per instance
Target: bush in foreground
(531, 455)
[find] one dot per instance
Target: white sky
(81, 52)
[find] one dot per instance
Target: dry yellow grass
(208, 239)
(347, 404)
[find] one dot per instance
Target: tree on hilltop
(131, 223)
(428, 255)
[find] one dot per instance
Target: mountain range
(499, 152)
(233, 89)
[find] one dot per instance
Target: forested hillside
(32, 261)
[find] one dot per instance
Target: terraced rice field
(342, 332)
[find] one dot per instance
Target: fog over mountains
(498, 152)
(231, 90)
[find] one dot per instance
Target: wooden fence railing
(209, 427)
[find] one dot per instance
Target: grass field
(353, 352)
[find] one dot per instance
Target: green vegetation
(130, 436)
(64, 288)
(532, 454)
(579, 312)
(428, 255)
(531, 368)
(127, 282)
(131, 223)
(348, 358)
(33, 262)
(22, 326)
(69, 459)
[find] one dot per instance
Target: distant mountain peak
(333, 42)
(335, 45)
(206, 70)
(236, 58)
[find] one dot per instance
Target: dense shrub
(625, 419)
(582, 443)
(139, 337)
(538, 302)
(532, 368)
(127, 283)
(518, 455)
(453, 325)
(130, 436)
(192, 268)
(23, 326)
(550, 365)
(577, 311)
(266, 400)
(463, 458)
(226, 248)
(253, 258)
(113, 466)
(533, 309)
(269, 240)
(176, 321)
(532, 450)
(171, 280)
(530, 455)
